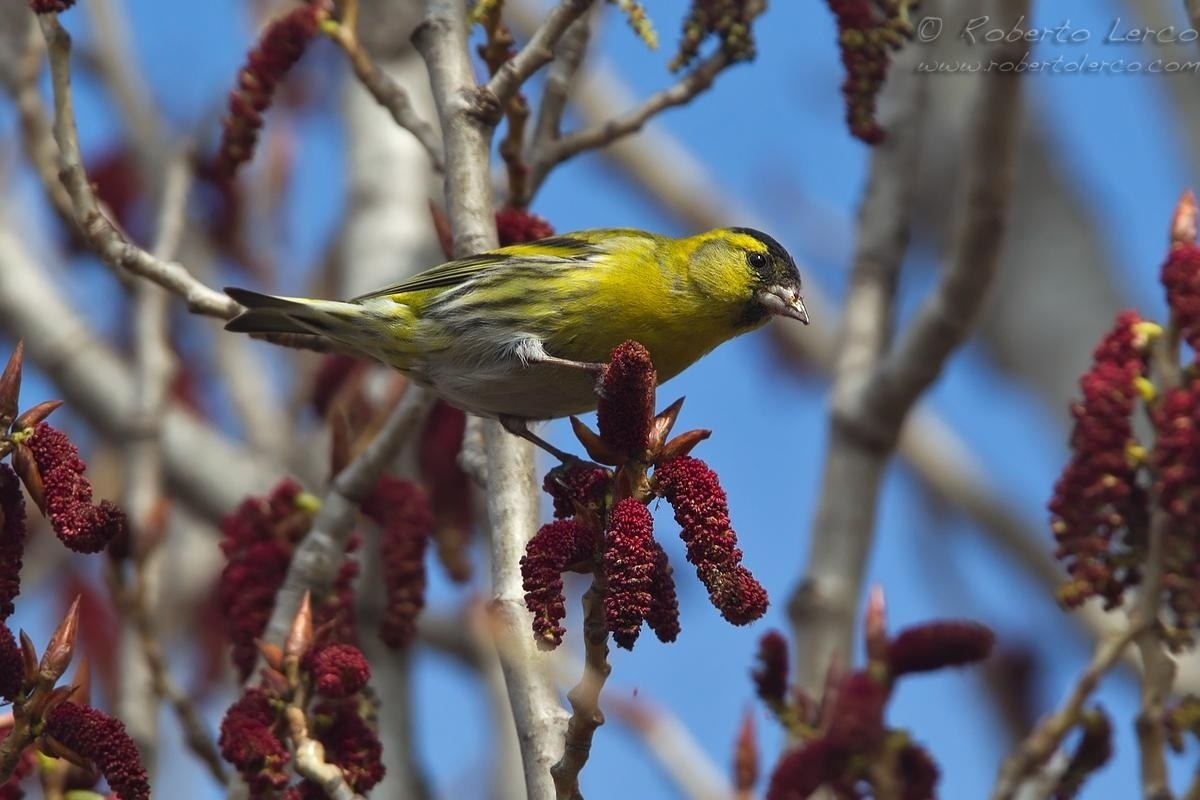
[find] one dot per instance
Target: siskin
(521, 333)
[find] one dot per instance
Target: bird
(522, 333)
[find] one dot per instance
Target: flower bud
(771, 675)
(935, 645)
(628, 569)
(1183, 221)
(104, 741)
(300, 635)
(60, 648)
(626, 408)
(745, 756)
(10, 385)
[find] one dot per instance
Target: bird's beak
(783, 301)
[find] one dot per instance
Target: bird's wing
(554, 250)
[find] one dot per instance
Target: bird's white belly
(512, 389)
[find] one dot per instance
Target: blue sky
(772, 135)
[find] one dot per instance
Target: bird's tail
(270, 314)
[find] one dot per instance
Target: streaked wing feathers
(452, 273)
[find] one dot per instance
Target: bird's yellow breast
(667, 294)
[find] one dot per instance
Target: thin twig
(204, 468)
(1158, 670)
(37, 138)
(495, 53)
(102, 236)
(196, 734)
(560, 80)
(536, 53)
(1157, 667)
(144, 502)
(386, 91)
(673, 746)
(138, 702)
(1042, 742)
(310, 759)
(586, 715)
(512, 486)
(115, 62)
(319, 555)
(867, 418)
(553, 153)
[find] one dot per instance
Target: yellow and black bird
(520, 333)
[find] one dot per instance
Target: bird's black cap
(780, 257)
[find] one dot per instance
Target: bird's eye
(757, 260)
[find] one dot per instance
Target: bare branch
(512, 497)
(1157, 667)
(537, 52)
(1041, 743)
(441, 41)
(103, 237)
(386, 91)
(144, 669)
(586, 715)
(826, 601)
(871, 404)
(550, 154)
(207, 469)
(560, 79)
(317, 558)
(141, 674)
(37, 138)
(674, 747)
(310, 759)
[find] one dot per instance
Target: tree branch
(1157, 667)
(550, 154)
(380, 85)
(537, 52)
(144, 675)
(37, 138)
(560, 79)
(102, 236)
(586, 715)
(1042, 742)
(673, 746)
(208, 470)
(310, 759)
(869, 409)
(826, 600)
(319, 555)
(1158, 670)
(512, 486)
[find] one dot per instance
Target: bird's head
(774, 279)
